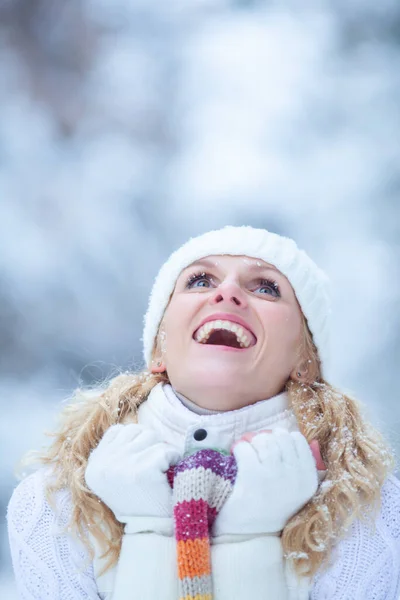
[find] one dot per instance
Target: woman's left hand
(314, 446)
(276, 477)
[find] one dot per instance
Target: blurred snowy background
(126, 127)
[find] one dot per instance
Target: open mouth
(219, 337)
(224, 333)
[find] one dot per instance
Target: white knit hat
(310, 283)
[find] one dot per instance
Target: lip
(228, 317)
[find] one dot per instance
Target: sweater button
(200, 435)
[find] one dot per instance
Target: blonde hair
(357, 459)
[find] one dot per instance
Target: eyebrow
(204, 262)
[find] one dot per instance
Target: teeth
(204, 332)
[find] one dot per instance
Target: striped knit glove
(277, 476)
(127, 471)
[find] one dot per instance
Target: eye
(205, 280)
(271, 285)
(198, 280)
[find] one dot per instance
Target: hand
(277, 476)
(127, 471)
(316, 452)
(314, 446)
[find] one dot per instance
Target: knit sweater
(49, 563)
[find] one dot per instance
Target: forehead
(247, 263)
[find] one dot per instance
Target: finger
(303, 450)
(157, 458)
(247, 437)
(128, 433)
(280, 430)
(287, 447)
(314, 445)
(111, 433)
(250, 434)
(244, 454)
(268, 451)
(145, 438)
(172, 455)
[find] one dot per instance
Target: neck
(221, 400)
(199, 410)
(202, 410)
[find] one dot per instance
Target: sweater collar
(168, 408)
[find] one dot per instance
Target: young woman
(230, 468)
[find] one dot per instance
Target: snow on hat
(309, 282)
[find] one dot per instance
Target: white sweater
(50, 564)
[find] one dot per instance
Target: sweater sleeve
(153, 576)
(252, 568)
(47, 563)
(366, 564)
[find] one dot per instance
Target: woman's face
(231, 333)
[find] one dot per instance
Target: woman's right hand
(127, 472)
(277, 476)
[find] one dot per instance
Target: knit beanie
(309, 282)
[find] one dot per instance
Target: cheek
(281, 321)
(178, 320)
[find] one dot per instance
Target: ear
(300, 371)
(157, 363)
(157, 366)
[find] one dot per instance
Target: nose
(231, 293)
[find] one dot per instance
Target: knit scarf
(201, 483)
